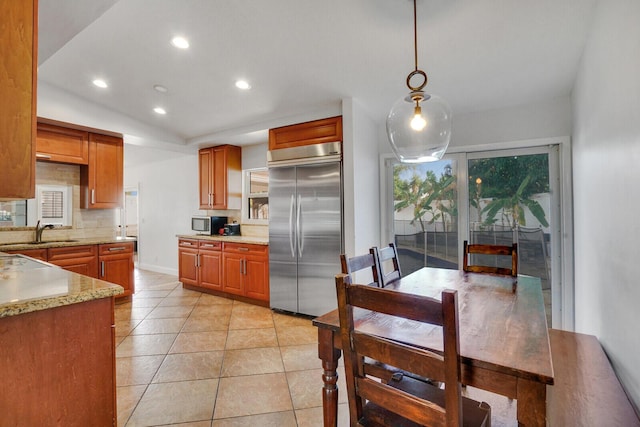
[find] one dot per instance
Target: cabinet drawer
(209, 246)
(240, 248)
(188, 243)
(71, 252)
(116, 248)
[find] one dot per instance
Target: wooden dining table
(504, 341)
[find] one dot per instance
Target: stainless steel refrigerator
(305, 228)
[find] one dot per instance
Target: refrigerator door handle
(291, 238)
(299, 227)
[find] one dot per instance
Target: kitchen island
(57, 352)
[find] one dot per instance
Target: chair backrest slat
(383, 256)
(357, 263)
(500, 250)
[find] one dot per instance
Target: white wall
(606, 155)
(168, 197)
(361, 178)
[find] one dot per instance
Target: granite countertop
(28, 285)
(253, 240)
(63, 243)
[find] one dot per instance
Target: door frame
(560, 182)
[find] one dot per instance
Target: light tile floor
(191, 359)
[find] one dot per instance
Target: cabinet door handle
(186, 244)
(119, 248)
(93, 196)
(243, 249)
(42, 156)
(197, 260)
(101, 268)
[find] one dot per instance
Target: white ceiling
(304, 56)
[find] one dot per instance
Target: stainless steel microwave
(208, 224)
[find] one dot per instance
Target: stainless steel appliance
(232, 229)
(208, 224)
(305, 227)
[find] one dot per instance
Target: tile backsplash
(86, 222)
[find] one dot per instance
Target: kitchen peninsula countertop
(28, 285)
(21, 246)
(253, 240)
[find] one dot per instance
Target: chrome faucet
(39, 231)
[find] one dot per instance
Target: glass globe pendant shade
(419, 128)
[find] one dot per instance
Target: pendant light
(419, 125)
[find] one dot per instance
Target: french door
(493, 197)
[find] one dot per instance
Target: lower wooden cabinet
(79, 259)
(116, 265)
(228, 269)
(111, 262)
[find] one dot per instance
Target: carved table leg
(329, 356)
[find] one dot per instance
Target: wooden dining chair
(499, 250)
(377, 399)
(360, 263)
(387, 265)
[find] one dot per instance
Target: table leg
(329, 356)
(532, 398)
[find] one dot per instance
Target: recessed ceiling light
(100, 83)
(160, 88)
(243, 84)
(160, 110)
(180, 42)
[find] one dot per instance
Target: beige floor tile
(190, 366)
(194, 424)
(128, 398)
(137, 370)
(159, 326)
(206, 299)
(297, 335)
(127, 313)
(177, 402)
(312, 417)
(179, 300)
(207, 323)
(169, 312)
(275, 419)
(300, 357)
(265, 393)
(145, 345)
(306, 386)
(125, 326)
(287, 320)
(119, 339)
(251, 338)
(209, 310)
(145, 302)
(247, 319)
(251, 361)
(179, 291)
(152, 294)
(190, 342)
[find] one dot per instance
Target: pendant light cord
(416, 71)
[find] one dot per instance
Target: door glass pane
(426, 215)
(509, 202)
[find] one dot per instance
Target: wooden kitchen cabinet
(188, 262)
(101, 179)
(116, 265)
(246, 270)
(40, 254)
(18, 78)
(220, 177)
(62, 144)
(200, 263)
(210, 263)
(308, 133)
(79, 259)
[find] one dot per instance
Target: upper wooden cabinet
(18, 78)
(220, 177)
(61, 144)
(308, 133)
(101, 181)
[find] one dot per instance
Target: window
(256, 196)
